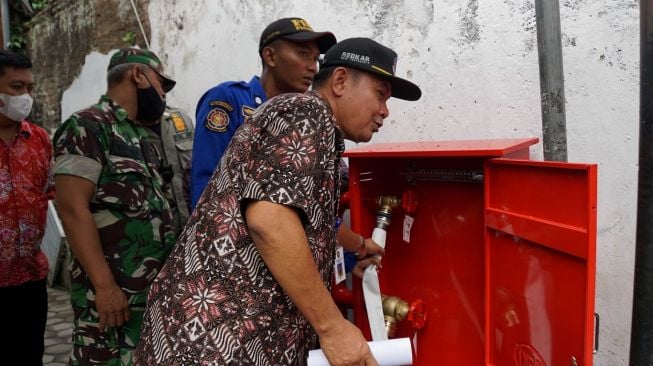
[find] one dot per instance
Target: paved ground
(58, 329)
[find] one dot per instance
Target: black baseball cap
(368, 55)
(297, 30)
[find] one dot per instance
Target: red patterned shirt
(215, 301)
(25, 186)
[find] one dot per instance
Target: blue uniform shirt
(220, 111)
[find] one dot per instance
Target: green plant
(129, 38)
(20, 17)
(17, 38)
(39, 4)
(27, 9)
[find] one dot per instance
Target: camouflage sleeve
(78, 150)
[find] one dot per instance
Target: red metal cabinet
(501, 250)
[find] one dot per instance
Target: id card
(339, 265)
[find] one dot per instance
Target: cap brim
(324, 40)
(404, 89)
(168, 83)
(401, 88)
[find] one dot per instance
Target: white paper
(372, 294)
(408, 225)
(393, 352)
(51, 243)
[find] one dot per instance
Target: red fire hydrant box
(491, 255)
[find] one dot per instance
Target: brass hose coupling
(384, 214)
(396, 310)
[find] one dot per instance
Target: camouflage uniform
(175, 140)
(134, 221)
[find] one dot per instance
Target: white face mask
(16, 107)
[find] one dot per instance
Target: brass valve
(387, 204)
(396, 310)
(384, 214)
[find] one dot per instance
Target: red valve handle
(417, 314)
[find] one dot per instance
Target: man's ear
(269, 56)
(339, 81)
(137, 75)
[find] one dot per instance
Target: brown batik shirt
(215, 301)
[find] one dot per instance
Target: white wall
(476, 62)
(88, 86)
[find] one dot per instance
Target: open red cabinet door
(540, 262)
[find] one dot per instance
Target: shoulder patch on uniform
(178, 122)
(217, 120)
(247, 111)
(221, 104)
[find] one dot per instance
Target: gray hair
(117, 73)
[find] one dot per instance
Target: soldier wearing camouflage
(130, 206)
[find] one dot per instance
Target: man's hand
(351, 242)
(370, 248)
(361, 264)
(111, 304)
(369, 255)
(344, 345)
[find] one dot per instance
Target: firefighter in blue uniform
(220, 111)
(289, 49)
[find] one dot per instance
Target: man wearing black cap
(247, 282)
(289, 49)
(111, 201)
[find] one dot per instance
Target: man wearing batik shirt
(25, 187)
(112, 204)
(248, 280)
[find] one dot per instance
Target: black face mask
(150, 104)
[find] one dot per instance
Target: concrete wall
(476, 62)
